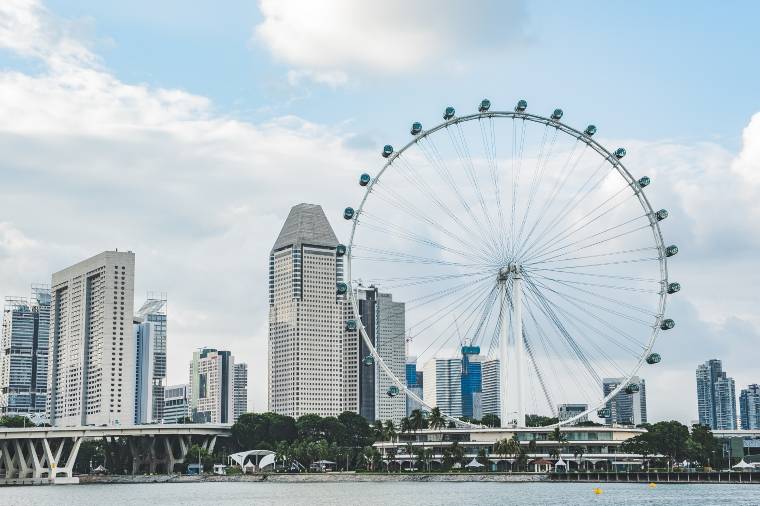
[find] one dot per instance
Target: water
(396, 493)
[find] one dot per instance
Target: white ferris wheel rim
(567, 130)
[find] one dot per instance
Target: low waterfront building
(594, 448)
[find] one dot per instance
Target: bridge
(48, 453)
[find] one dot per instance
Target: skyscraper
(491, 381)
(626, 408)
(390, 341)
(471, 382)
(176, 403)
(307, 318)
(92, 348)
(211, 385)
(567, 411)
(414, 382)
(240, 390)
(749, 407)
(153, 311)
(716, 396)
(143, 370)
(443, 385)
(24, 353)
(367, 369)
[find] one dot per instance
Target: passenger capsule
(674, 287)
(348, 213)
(557, 114)
(416, 128)
(342, 288)
(485, 104)
(671, 250)
(369, 360)
(653, 358)
(393, 391)
(644, 181)
(667, 324)
(590, 130)
(632, 388)
(340, 250)
(619, 153)
(661, 214)
(350, 325)
(387, 150)
(364, 179)
(448, 113)
(604, 413)
(521, 106)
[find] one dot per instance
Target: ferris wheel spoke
(381, 225)
(539, 374)
(598, 285)
(606, 309)
(488, 136)
(559, 184)
(580, 224)
(430, 150)
(403, 257)
(583, 327)
(537, 258)
(536, 180)
(459, 141)
(398, 282)
(566, 338)
(427, 190)
(596, 255)
(573, 202)
(546, 345)
(517, 152)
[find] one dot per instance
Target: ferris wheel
(524, 237)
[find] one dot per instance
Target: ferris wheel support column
(511, 350)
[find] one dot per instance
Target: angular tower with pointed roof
(307, 342)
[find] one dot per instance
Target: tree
(195, 453)
(389, 430)
(406, 425)
(483, 458)
(457, 453)
(540, 421)
(257, 431)
(418, 420)
(310, 427)
(90, 452)
(333, 430)
(358, 431)
(578, 452)
(378, 430)
(437, 421)
(15, 421)
(702, 446)
(491, 421)
(561, 439)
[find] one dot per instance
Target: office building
(414, 382)
(24, 354)
(491, 381)
(240, 390)
(749, 407)
(567, 411)
(443, 385)
(153, 311)
(716, 396)
(367, 368)
(626, 408)
(92, 349)
(176, 403)
(307, 320)
(211, 384)
(471, 382)
(390, 342)
(144, 363)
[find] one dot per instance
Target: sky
(186, 132)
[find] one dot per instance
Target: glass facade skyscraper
(716, 396)
(471, 382)
(626, 408)
(24, 353)
(153, 311)
(749, 407)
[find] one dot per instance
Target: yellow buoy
(597, 490)
(652, 485)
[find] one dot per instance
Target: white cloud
(327, 41)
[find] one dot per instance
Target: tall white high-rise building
(307, 318)
(390, 341)
(153, 311)
(211, 386)
(442, 387)
(491, 380)
(240, 390)
(144, 364)
(91, 369)
(24, 353)
(716, 396)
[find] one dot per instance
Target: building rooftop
(306, 224)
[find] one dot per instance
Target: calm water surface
(403, 493)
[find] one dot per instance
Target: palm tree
(406, 425)
(437, 421)
(417, 420)
(457, 452)
(578, 452)
(378, 430)
(560, 438)
(516, 449)
(389, 430)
